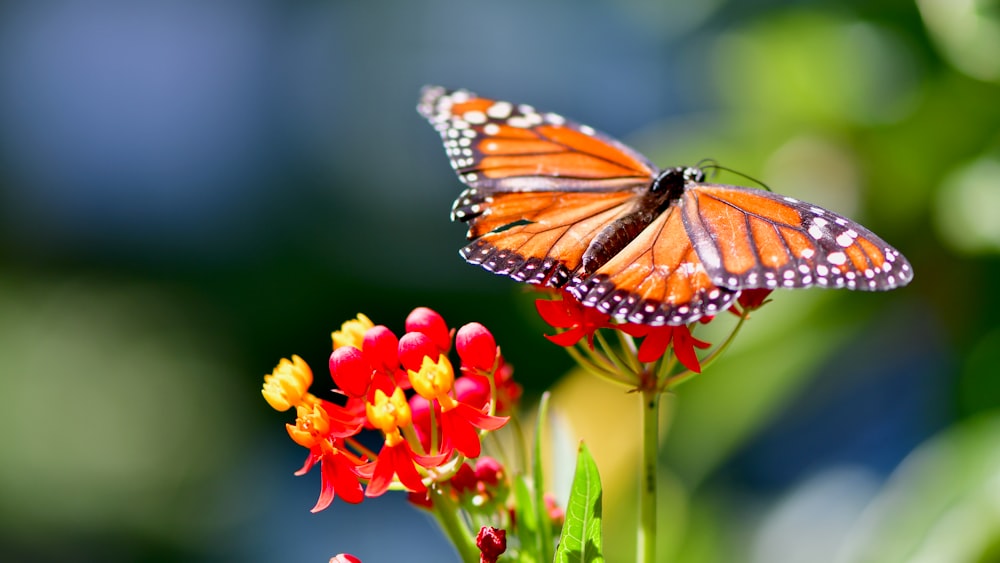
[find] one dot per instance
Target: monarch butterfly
(555, 203)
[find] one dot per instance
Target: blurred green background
(191, 190)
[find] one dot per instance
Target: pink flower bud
(414, 347)
(381, 349)
(344, 558)
(488, 470)
(429, 322)
(476, 346)
(350, 371)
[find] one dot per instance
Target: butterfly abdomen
(613, 238)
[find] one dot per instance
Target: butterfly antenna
(711, 164)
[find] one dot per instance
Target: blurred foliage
(191, 191)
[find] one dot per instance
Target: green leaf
(581, 534)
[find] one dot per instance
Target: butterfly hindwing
(656, 279)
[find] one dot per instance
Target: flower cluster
(577, 323)
(407, 389)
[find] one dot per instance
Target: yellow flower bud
(352, 332)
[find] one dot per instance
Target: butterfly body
(558, 204)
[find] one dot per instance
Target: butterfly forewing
(499, 146)
(750, 238)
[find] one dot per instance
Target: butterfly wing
(750, 238)
(540, 186)
(497, 146)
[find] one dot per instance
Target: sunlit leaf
(581, 534)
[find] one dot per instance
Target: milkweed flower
(639, 365)
(407, 389)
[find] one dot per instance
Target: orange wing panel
(769, 244)
(756, 202)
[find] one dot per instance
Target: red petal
(558, 314)
(310, 462)
(405, 470)
(458, 433)
(479, 419)
(382, 474)
(655, 344)
(684, 345)
(568, 338)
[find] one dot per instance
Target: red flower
(570, 314)
(344, 558)
(657, 338)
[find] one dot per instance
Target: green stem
(447, 514)
(646, 547)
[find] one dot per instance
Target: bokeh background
(191, 190)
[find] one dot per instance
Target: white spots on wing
(519, 121)
(555, 118)
(815, 232)
(843, 239)
(587, 130)
(491, 129)
(790, 199)
(836, 258)
(500, 110)
(807, 253)
(475, 117)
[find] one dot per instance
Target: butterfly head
(674, 181)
